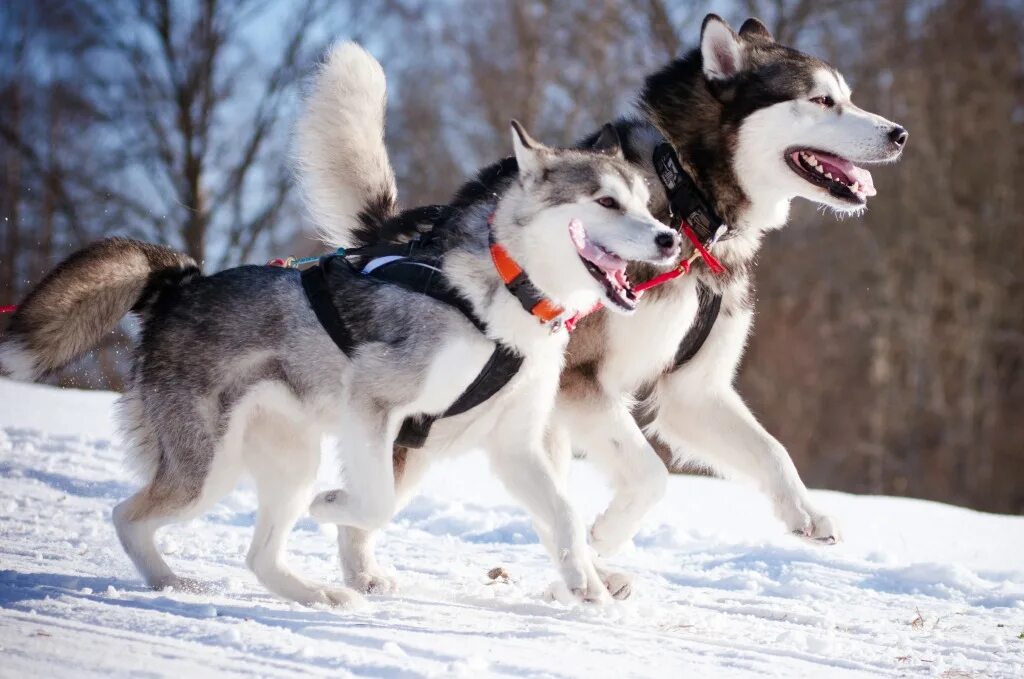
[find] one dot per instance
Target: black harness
(418, 275)
(421, 274)
(687, 204)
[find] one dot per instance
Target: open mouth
(837, 175)
(606, 267)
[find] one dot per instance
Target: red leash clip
(713, 264)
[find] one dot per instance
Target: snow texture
(917, 588)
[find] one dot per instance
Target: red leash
(683, 268)
(9, 309)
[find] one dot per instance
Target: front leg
(530, 478)
(713, 424)
(605, 429)
(368, 500)
(356, 546)
(559, 445)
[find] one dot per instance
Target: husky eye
(608, 202)
(826, 101)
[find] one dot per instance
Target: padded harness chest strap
(708, 306)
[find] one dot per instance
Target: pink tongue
(857, 174)
(589, 251)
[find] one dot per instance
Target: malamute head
(574, 218)
(759, 123)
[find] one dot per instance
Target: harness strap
(708, 306)
(318, 292)
(425, 278)
(704, 227)
(500, 368)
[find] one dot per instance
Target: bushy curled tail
(341, 159)
(83, 299)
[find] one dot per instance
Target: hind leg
(283, 461)
(192, 468)
(138, 518)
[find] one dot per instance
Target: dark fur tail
(83, 299)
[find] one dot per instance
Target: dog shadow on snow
(70, 485)
(23, 591)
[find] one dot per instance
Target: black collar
(686, 201)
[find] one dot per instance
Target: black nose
(898, 136)
(666, 241)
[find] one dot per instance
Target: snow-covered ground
(916, 588)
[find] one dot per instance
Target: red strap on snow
(9, 309)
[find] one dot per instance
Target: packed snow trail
(916, 588)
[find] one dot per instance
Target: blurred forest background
(888, 351)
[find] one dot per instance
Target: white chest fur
(640, 346)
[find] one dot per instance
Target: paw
(619, 585)
(327, 506)
(597, 595)
(188, 585)
(372, 582)
(817, 528)
(581, 579)
(335, 597)
(557, 591)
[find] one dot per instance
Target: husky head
(574, 218)
(760, 123)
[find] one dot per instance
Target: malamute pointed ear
(754, 28)
(527, 149)
(608, 142)
(720, 48)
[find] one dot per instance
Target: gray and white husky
(755, 124)
(235, 374)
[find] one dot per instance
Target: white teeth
(829, 175)
(855, 187)
(809, 158)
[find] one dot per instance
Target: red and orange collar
(519, 284)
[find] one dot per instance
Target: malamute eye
(826, 101)
(608, 202)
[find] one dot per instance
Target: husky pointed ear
(720, 48)
(527, 149)
(754, 28)
(608, 141)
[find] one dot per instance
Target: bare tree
(888, 351)
(168, 121)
